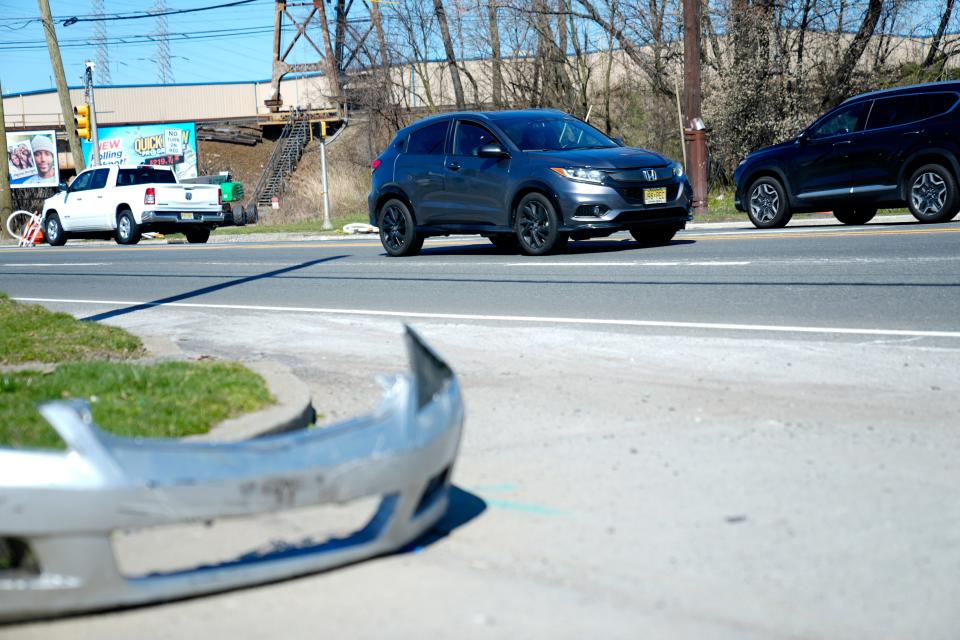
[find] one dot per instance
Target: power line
(156, 12)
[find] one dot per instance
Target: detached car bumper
(63, 506)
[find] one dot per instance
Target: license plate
(655, 196)
(186, 216)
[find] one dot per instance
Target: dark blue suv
(527, 180)
(893, 148)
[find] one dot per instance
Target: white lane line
(623, 264)
(718, 326)
(55, 264)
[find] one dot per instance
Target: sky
(224, 44)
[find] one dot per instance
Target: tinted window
(846, 120)
(553, 134)
(144, 175)
(82, 182)
(428, 140)
(890, 112)
(99, 180)
(470, 138)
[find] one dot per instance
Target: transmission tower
(100, 42)
(164, 70)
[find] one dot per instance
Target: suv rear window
(890, 112)
(429, 140)
(144, 175)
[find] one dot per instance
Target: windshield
(553, 134)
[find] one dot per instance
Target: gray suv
(527, 180)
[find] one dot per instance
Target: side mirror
(619, 141)
(492, 151)
(803, 138)
(62, 186)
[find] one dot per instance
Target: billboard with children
(173, 145)
(32, 158)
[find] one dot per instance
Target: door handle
(454, 166)
(837, 144)
(912, 133)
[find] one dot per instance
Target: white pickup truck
(122, 202)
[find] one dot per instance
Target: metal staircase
(293, 139)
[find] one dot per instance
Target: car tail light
(219, 196)
(376, 163)
(150, 196)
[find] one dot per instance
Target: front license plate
(186, 216)
(655, 196)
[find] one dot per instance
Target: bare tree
(451, 55)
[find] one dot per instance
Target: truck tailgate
(187, 197)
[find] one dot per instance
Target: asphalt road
(893, 277)
(740, 435)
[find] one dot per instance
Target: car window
(470, 137)
(890, 112)
(429, 140)
(144, 175)
(846, 120)
(99, 179)
(82, 181)
(553, 134)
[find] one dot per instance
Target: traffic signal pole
(88, 90)
(62, 90)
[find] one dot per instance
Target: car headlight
(581, 174)
(678, 169)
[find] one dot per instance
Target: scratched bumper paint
(64, 506)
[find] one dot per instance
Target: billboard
(172, 145)
(32, 158)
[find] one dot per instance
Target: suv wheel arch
(918, 159)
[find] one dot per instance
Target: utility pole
(6, 194)
(694, 135)
(62, 90)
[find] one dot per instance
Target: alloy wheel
(929, 193)
(394, 225)
(534, 224)
(124, 227)
(764, 203)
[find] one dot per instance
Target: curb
(293, 410)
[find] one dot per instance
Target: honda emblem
(649, 174)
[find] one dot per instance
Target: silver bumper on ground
(63, 506)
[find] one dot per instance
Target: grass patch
(31, 333)
(164, 400)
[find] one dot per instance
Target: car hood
(612, 158)
(765, 151)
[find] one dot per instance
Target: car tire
(860, 215)
(767, 204)
(537, 225)
(505, 242)
(655, 236)
(128, 231)
(197, 236)
(53, 231)
(398, 230)
(932, 194)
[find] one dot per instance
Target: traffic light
(81, 116)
